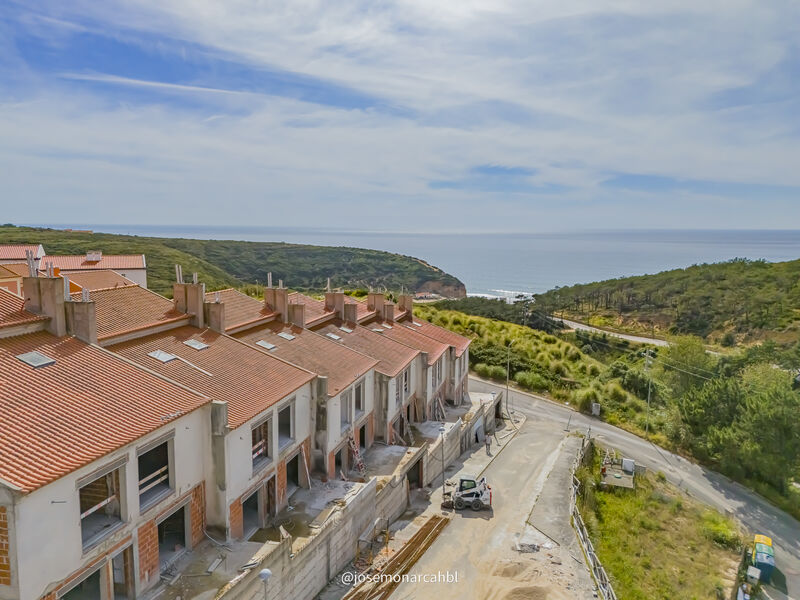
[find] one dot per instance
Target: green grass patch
(658, 543)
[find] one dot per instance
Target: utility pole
(508, 375)
(649, 386)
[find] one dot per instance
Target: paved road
(757, 515)
(624, 336)
(480, 546)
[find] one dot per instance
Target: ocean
(503, 265)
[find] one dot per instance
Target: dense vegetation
(522, 311)
(739, 300)
(736, 413)
(233, 263)
(656, 542)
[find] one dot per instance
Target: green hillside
(736, 301)
(225, 263)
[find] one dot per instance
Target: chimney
(214, 313)
(388, 312)
(297, 314)
(82, 318)
(45, 296)
(277, 299)
(350, 313)
(334, 301)
(375, 301)
(406, 302)
(189, 298)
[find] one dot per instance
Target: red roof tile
(19, 269)
(315, 352)
(17, 251)
(249, 379)
(99, 280)
(111, 261)
(392, 356)
(400, 332)
(459, 342)
(12, 311)
(131, 308)
(66, 415)
(240, 309)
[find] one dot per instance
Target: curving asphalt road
(755, 513)
(624, 336)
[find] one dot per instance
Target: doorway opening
(292, 475)
(251, 516)
(362, 437)
(88, 589)
(122, 569)
(172, 538)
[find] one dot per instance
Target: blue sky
(471, 114)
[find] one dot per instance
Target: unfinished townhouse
(261, 426)
(343, 417)
(101, 468)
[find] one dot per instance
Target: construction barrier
(604, 588)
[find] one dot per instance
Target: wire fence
(604, 587)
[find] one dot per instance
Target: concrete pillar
(219, 429)
(350, 313)
(334, 301)
(215, 315)
(388, 312)
(189, 298)
(82, 321)
(297, 314)
(375, 301)
(45, 296)
(406, 302)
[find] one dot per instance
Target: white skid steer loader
(475, 493)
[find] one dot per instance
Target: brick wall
(197, 511)
(148, 552)
(331, 465)
(237, 519)
(307, 454)
(5, 552)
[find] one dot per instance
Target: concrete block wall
(432, 459)
(304, 574)
(392, 499)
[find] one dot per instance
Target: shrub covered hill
(226, 263)
(736, 301)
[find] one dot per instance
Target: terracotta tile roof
(400, 332)
(392, 356)
(131, 308)
(315, 352)
(68, 414)
(19, 269)
(17, 251)
(240, 309)
(99, 280)
(111, 261)
(12, 311)
(315, 309)
(249, 379)
(459, 342)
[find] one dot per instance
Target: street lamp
(264, 576)
(441, 433)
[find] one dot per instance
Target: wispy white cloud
(354, 110)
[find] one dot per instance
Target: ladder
(356, 455)
(410, 433)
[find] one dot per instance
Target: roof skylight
(286, 336)
(378, 329)
(36, 359)
(346, 329)
(265, 344)
(162, 356)
(333, 336)
(196, 344)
